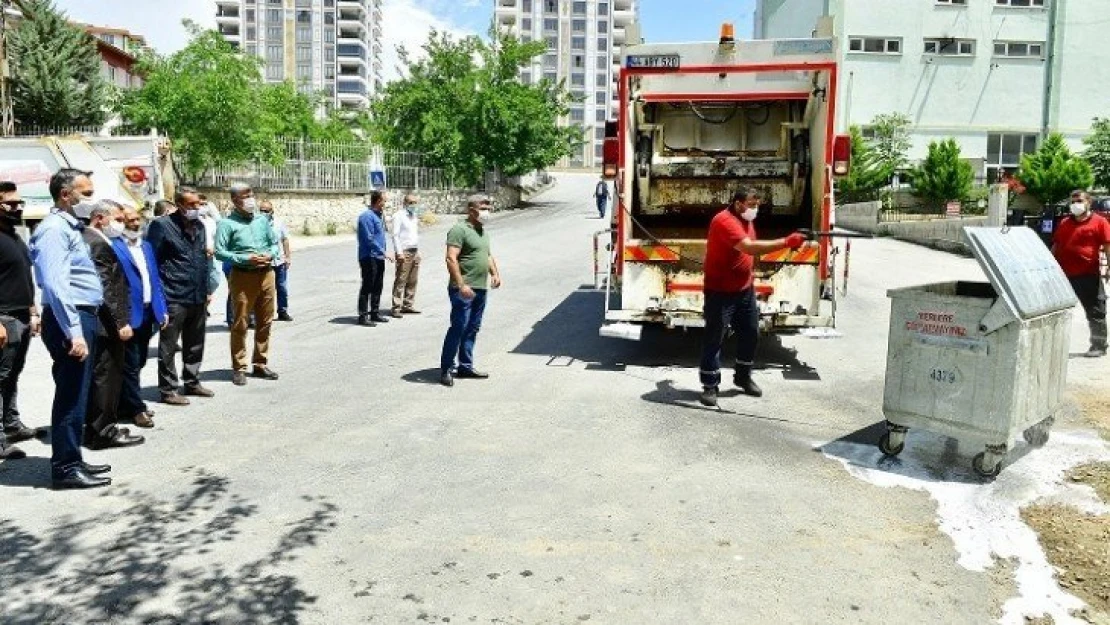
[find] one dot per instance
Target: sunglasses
(14, 205)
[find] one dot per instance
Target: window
(579, 61)
(552, 42)
(329, 54)
(527, 6)
(329, 72)
(875, 45)
(1019, 49)
(304, 72)
(527, 38)
(250, 16)
(578, 26)
(274, 72)
(950, 47)
(602, 63)
(550, 61)
(603, 9)
(551, 75)
(1034, 4)
(304, 17)
(599, 151)
(329, 35)
(274, 54)
(599, 133)
(274, 33)
(579, 7)
(1004, 152)
(526, 25)
(304, 54)
(577, 43)
(601, 98)
(273, 15)
(602, 81)
(953, 2)
(526, 77)
(252, 33)
(602, 27)
(252, 49)
(601, 115)
(551, 6)
(577, 115)
(329, 19)
(550, 24)
(578, 80)
(602, 44)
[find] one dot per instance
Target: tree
(55, 71)
(465, 109)
(943, 176)
(867, 176)
(1098, 152)
(212, 103)
(891, 139)
(1052, 172)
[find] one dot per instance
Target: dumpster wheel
(987, 467)
(892, 442)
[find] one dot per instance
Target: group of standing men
(106, 290)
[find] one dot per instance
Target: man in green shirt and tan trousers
(246, 240)
(473, 271)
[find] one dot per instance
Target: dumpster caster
(1036, 436)
(987, 464)
(891, 443)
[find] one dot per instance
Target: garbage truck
(132, 170)
(695, 122)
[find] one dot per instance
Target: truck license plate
(653, 61)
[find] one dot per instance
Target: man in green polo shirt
(246, 240)
(473, 271)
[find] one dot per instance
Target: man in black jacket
(179, 245)
(102, 419)
(19, 319)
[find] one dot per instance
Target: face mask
(192, 215)
(83, 208)
(269, 216)
(483, 216)
(132, 235)
(749, 214)
(114, 229)
(411, 209)
(250, 205)
(1078, 208)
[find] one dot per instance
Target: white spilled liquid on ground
(983, 518)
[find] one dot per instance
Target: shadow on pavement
(350, 320)
(216, 375)
(668, 394)
(106, 568)
(570, 332)
(30, 472)
(424, 376)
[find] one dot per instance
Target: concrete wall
(943, 234)
(320, 212)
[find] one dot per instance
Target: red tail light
(610, 152)
(842, 155)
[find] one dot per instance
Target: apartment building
(585, 40)
(997, 75)
(119, 50)
(330, 46)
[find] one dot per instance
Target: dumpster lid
(1022, 270)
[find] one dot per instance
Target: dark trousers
(722, 310)
(102, 415)
(186, 324)
(281, 278)
(601, 202)
(13, 356)
(1092, 296)
(134, 359)
(466, 321)
(72, 379)
(373, 280)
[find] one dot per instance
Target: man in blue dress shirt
(71, 294)
(371, 259)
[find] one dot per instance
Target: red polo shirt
(727, 269)
(1078, 244)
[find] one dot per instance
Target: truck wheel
(887, 448)
(979, 463)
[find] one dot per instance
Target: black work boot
(743, 380)
(708, 397)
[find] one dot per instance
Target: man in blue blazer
(148, 313)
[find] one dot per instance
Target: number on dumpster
(943, 376)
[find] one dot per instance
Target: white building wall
(968, 98)
(787, 19)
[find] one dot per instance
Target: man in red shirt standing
(1076, 244)
(730, 300)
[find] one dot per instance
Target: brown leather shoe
(174, 399)
(198, 391)
(144, 420)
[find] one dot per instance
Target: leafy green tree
(891, 139)
(1052, 172)
(868, 174)
(55, 71)
(464, 107)
(943, 176)
(1098, 152)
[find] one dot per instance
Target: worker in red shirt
(730, 255)
(1076, 244)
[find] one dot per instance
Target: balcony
(506, 4)
(226, 14)
(229, 31)
(352, 30)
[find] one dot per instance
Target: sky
(407, 22)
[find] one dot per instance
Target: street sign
(952, 209)
(377, 179)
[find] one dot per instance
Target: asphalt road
(581, 483)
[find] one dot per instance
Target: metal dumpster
(981, 361)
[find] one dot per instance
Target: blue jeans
(739, 310)
(281, 277)
(466, 320)
(72, 379)
(601, 202)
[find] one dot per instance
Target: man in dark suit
(148, 313)
(101, 421)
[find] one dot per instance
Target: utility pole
(1050, 68)
(7, 117)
